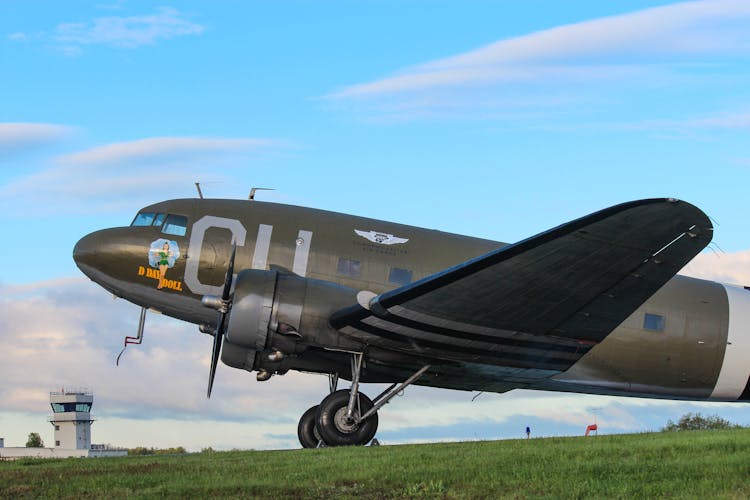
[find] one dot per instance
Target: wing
(543, 302)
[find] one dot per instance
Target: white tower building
(72, 419)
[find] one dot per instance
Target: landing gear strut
(347, 417)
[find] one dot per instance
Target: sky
(497, 119)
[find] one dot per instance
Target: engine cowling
(274, 311)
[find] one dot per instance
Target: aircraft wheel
(306, 432)
(336, 429)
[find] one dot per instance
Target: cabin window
(57, 443)
(143, 219)
(349, 267)
(57, 427)
(175, 224)
(399, 276)
(654, 322)
(159, 220)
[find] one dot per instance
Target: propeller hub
(216, 303)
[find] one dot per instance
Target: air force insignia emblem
(381, 238)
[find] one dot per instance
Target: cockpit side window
(159, 220)
(175, 224)
(143, 219)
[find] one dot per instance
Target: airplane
(594, 305)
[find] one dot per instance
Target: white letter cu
(196, 243)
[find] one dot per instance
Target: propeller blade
(230, 273)
(218, 336)
(221, 324)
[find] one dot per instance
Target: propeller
(221, 324)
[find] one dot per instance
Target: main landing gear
(347, 417)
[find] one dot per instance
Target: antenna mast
(253, 191)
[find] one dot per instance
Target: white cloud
(18, 37)
(128, 31)
(116, 31)
(17, 137)
(575, 51)
(698, 125)
(732, 268)
(122, 172)
(722, 121)
(67, 333)
(158, 148)
(589, 70)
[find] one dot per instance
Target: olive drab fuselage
(690, 340)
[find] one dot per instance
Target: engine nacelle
(277, 311)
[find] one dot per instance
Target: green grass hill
(694, 464)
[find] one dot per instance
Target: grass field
(683, 464)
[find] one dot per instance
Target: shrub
(34, 441)
(697, 422)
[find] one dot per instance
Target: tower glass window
(63, 407)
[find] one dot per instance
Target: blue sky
(497, 119)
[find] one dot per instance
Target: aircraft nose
(84, 250)
(95, 251)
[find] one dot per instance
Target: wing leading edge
(543, 302)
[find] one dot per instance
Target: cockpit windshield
(143, 219)
(169, 223)
(176, 224)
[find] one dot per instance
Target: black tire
(306, 432)
(333, 428)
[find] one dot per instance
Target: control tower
(72, 418)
